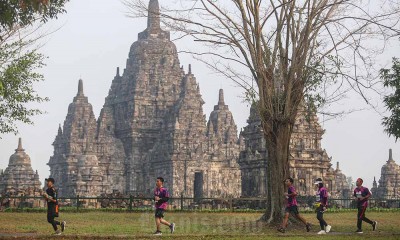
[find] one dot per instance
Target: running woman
(321, 203)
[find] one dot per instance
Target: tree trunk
(277, 142)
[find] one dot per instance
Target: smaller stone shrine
(389, 182)
(19, 179)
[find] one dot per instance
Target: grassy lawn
(194, 225)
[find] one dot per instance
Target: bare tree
(291, 50)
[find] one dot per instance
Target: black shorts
(159, 213)
(292, 209)
(51, 210)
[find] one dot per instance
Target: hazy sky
(94, 39)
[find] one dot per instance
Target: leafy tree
(16, 85)
(25, 12)
(19, 61)
(391, 80)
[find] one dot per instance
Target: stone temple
(389, 182)
(308, 161)
(152, 124)
(19, 178)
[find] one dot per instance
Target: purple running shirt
(291, 201)
(162, 193)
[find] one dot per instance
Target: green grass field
(190, 225)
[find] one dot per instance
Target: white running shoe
(157, 233)
(321, 232)
(328, 228)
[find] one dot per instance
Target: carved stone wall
(253, 157)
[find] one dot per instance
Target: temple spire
(153, 21)
(80, 88)
(19, 149)
(390, 155)
(221, 97)
(59, 129)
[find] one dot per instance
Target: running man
(291, 207)
(161, 197)
(52, 204)
(321, 204)
(362, 194)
